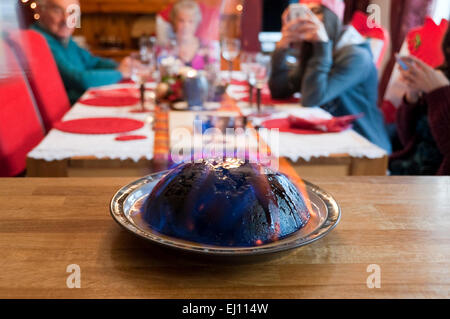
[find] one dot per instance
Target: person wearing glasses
(331, 65)
(79, 69)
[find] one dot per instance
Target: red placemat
(239, 82)
(122, 92)
(99, 125)
(111, 101)
(124, 138)
(126, 81)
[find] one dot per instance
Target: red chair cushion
(36, 58)
(20, 127)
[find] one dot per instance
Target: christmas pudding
(228, 203)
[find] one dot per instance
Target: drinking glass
(230, 50)
(147, 48)
(248, 60)
(141, 71)
(260, 71)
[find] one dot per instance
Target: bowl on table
(225, 208)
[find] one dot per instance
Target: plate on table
(126, 204)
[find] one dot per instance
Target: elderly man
(79, 69)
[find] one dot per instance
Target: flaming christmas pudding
(230, 203)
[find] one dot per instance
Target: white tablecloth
(302, 146)
(296, 146)
(59, 145)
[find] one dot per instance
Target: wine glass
(146, 48)
(248, 59)
(260, 70)
(141, 72)
(230, 51)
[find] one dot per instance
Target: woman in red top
(423, 120)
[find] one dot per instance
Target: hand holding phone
(294, 18)
(400, 62)
(298, 10)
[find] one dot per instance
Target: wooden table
(400, 224)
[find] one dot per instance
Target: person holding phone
(423, 119)
(334, 68)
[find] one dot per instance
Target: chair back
(40, 68)
(20, 126)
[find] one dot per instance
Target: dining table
(393, 241)
(65, 154)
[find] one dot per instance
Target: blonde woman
(185, 18)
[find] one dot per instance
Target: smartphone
(400, 62)
(298, 10)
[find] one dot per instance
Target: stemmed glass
(260, 73)
(146, 48)
(142, 68)
(230, 51)
(248, 59)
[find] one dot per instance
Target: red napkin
(124, 138)
(99, 125)
(299, 125)
(111, 101)
(123, 92)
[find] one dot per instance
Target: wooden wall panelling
(123, 6)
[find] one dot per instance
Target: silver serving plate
(125, 211)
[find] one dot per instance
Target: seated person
(335, 68)
(208, 29)
(423, 120)
(185, 18)
(79, 69)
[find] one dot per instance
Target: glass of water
(230, 51)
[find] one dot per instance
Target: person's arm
(83, 79)
(285, 79)
(436, 86)
(439, 118)
(325, 79)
